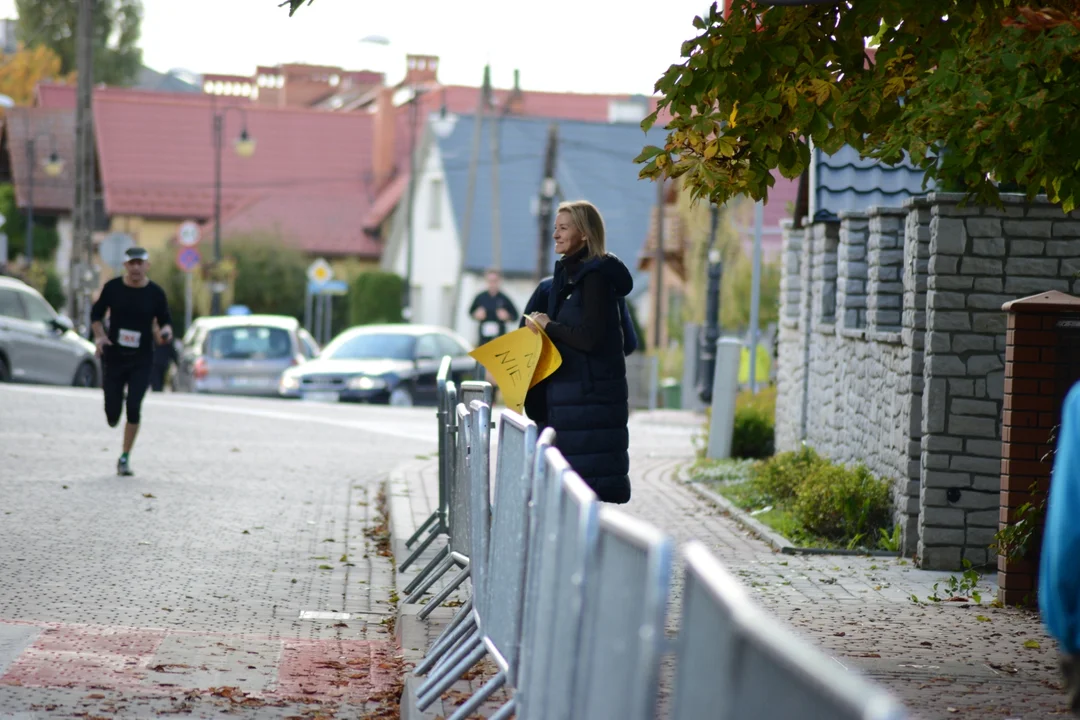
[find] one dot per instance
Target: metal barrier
(449, 433)
(457, 515)
(732, 658)
(435, 524)
(469, 649)
(568, 534)
(622, 639)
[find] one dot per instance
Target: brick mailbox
(1042, 361)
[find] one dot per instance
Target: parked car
(387, 364)
(241, 354)
(38, 345)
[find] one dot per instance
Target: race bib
(128, 338)
(489, 329)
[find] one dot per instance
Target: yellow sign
(517, 361)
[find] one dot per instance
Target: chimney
(515, 104)
(421, 70)
(382, 157)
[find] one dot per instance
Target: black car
(387, 364)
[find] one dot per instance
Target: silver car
(241, 354)
(37, 345)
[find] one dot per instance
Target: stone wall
(898, 362)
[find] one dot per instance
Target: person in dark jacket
(586, 400)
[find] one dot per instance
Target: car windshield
(248, 343)
(372, 346)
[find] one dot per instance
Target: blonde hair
(586, 218)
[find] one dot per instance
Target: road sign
(188, 258)
(112, 249)
(188, 234)
(320, 272)
(330, 287)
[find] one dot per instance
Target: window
(248, 343)
(427, 347)
(435, 204)
(37, 310)
(308, 346)
(372, 346)
(10, 305)
(450, 346)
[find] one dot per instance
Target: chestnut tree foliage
(981, 94)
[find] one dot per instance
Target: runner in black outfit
(127, 349)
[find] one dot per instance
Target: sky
(604, 46)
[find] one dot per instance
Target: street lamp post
(52, 166)
(245, 146)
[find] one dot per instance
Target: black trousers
(120, 373)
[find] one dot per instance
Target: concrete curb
(763, 531)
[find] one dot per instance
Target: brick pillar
(1042, 361)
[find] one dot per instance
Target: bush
(837, 503)
(753, 435)
(270, 275)
(779, 478)
(764, 401)
(375, 297)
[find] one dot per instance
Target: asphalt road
(182, 589)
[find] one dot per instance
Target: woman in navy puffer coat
(582, 310)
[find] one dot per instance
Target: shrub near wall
(375, 297)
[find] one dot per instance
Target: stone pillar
(851, 271)
(825, 240)
(791, 369)
(913, 332)
(885, 257)
(980, 258)
(1042, 361)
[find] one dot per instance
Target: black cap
(136, 253)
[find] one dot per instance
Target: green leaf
(648, 153)
(1032, 644)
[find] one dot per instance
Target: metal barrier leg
(424, 701)
(433, 517)
(439, 649)
(457, 650)
(423, 546)
(432, 564)
(443, 594)
(463, 614)
(473, 703)
(506, 711)
(456, 653)
(442, 569)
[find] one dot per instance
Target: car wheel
(85, 376)
(401, 397)
(5, 371)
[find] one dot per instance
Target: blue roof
(846, 181)
(594, 163)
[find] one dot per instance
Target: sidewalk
(945, 660)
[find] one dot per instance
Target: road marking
(377, 428)
(323, 615)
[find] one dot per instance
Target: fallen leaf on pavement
(1033, 644)
(982, 618)
(840, 634)
(926, 643)
(148, 495)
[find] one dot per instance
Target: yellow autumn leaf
(711, 149)
(734, 114)
(1032, 644)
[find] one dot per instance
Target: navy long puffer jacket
(586, 399)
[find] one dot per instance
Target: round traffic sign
(320, 272)
(188, 234)
(188, 259)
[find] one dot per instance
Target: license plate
(322, 396)
(249, 382)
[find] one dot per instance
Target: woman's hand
(537, 320)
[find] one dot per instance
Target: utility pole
(30, 155)
(406, 301)
(659, 260)
(496, 235)
(548, 189)
(474, 164)
(715, 272)
(83, 275)
(755, 292)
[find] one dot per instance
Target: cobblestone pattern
(942, 660)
